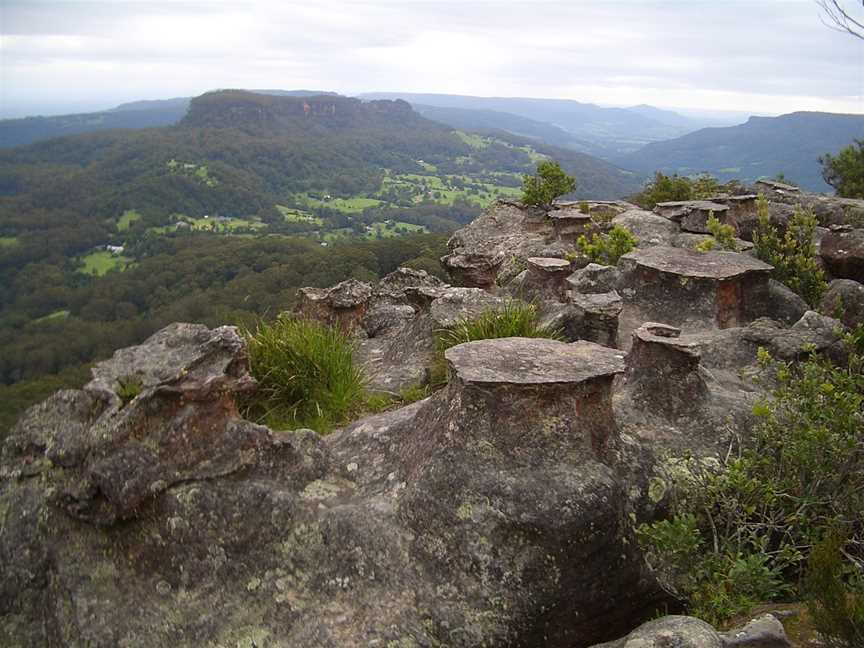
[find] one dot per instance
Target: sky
(754, 56)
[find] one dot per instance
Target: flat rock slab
(699, 265)
(532, 361)
(548, 264)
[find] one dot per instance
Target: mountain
(606, 132)
(668, 117)
(147, 113)
(762, 147)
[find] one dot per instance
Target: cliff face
(279, 114)
(497, 512)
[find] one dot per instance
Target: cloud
(760, 55)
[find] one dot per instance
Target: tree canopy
(845, 171)
(549, 183)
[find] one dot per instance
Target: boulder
(488, 513)
(595, 317)
(594, 278)
(844, 300)
(692, 215)
(784, 305)
(691, 289)
(842, 250)
(670, 632)
(545, 278)
(647, 227)
(765, 631)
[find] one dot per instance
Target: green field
(392, 229)
(129, 216)
(8, 241)
(345, 205)
(292, 215)
(472, 140)
(212, 224)
(99, 262)
(60, 314)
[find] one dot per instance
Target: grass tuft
(306, 375)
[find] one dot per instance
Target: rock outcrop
(488, 514)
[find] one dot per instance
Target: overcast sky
(762, 56)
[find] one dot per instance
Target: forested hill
(93, 227)
(763, 147)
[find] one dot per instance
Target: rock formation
(142, 510)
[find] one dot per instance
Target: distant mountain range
(762, 147)
(600, 131)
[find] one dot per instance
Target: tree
(546, 185)
(841, 18)
(845, 171)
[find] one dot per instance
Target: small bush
(549, 183)
(606, 249)
(665, 188)
(724, 236)
(793, 254)
(128, 388)
(306, 375)
(515, 319)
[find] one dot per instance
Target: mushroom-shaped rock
(692, 215)
(566, 386)
(570, 221)
(842, 250)
(696, 289)
(343, 305)
(546, 278)
(663, 371)
(596, 317)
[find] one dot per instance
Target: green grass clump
(515, 319)
(306, 375)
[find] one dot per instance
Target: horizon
(741, 57)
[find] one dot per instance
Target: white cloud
(761, 55)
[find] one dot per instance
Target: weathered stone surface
(844, 300)
(670, 632)
(596, 317)
(830, 210)
(784, 305)
(692, 215)
(594, 278)
(762, 632)
(694, 290)
(545, 278)
(343, 305)
(842, 250)
(487, 514)
(647, 227)
(494, 244)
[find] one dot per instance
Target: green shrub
(665, 188)
(724, 236)
(606, 249)
(845, 171)
(546, 185)
(128, 388)
(741, 533)
(793, 254)
(835, 594)
(515, 319)
(306, 375)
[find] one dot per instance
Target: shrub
(793, 254)
(128, 388)
(835, 596)
(724, 236)
(549, 183)
(515, 319)
(845, 171)
(606, 249)
(306, 375)
(741, 533)
(665, 188)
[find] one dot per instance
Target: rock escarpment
(143, 510)
(488, 514)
